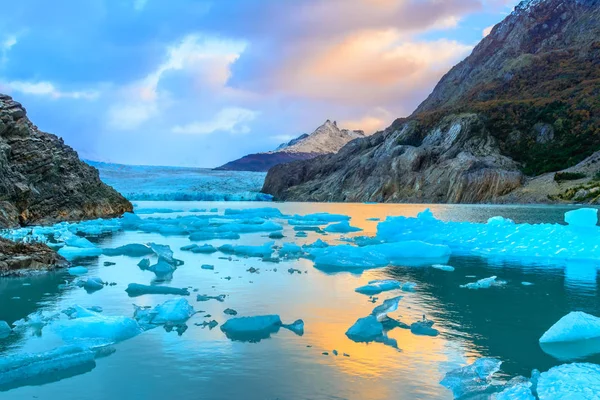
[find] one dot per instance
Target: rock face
(42, 180)
(21, 258)
(526, 102)
(326, 139)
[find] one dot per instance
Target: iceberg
(198, 236)
(366, 329)
(170, 312)
(473, 379)
(570, 381)
(423, 328)
(519, 391)
(136, 289)
(342, 227)
(484, 283)
(378, 286)
(390, 305)
(131, 250)
(317, 244)
(36, 320)
(443, 267)
(276, 235)
(319, 217)
(150, 210)
(95, 329)
(207, 266)
(264, 250)
(77, 270)
(37, 368)
(205, 297)
(252, 329)
(5, 329)
(71, 253)
(91, 284)
(582, 218)
(573, 327)
(290, 250)
(81, 242)
(204, 249)
(144, 263)
(162, 269)
(297, 327)
(264, 212)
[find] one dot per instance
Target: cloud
(232, 120)
(46, 89)
(203, 61)
(283, 138)
(488, 30)
(374, 121)
(5, 47)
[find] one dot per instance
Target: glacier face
(139, 182)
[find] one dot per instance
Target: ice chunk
(131, 250)
(373, 219)
(423, 327)
(188, 247)
(71, 253)
(265, 212)
(472, 379)
(36, 320)
(251, 329)
(5, 329)
(144, 263)
(573, 327)
(443, 267)
(251, 251)
(170, 312)
(136, 289)
(570, 381)
(197, 236)
(81, 242)
(342, 227)
(290, 249)
(150, 210)
(365, 329)
(77, 270)
(318, 244)
(390, 305)
(500, 221)
(582, 218)
(409, 287)
(378, 286)
(230, 311)
(26, 369)
(484, 283)
(276, 235)
(91, 284)
(320, 217)
(164, 253)
(205, 297)
(96, 329)
(297, 327)
(78, 312)
(205, 249)
(207, 266)
(519, 391)
(162, 269)
(526, 283)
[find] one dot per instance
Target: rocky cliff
(326, 139)
(42, 180)
(526, 102)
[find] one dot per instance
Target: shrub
(568, 176)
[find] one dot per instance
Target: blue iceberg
(136, 289)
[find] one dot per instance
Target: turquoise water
(504, 322)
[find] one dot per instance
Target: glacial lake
(201, 363)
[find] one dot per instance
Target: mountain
(42, 180)
(523, 105)
(326, 139)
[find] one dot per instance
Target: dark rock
(22, 258)
(42, 180)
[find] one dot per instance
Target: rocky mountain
(524, 104)
(326, 139)
(42, 180)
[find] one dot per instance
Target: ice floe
(443, 267)
(570, 381)
(341, 227)
(257, 328)
(484, 283)
(378, 286)
(136, 289)
(264, 250)
(5, 329)
(473, 379)
(77, 270)
(174, 311)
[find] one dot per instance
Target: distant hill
(326, 139)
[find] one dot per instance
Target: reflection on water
(505, 322)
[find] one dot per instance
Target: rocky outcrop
(42, 180)
(525, 103)
(23, 258)
(326, 139)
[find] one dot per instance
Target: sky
(200, 83)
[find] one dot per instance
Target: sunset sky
(199, 83)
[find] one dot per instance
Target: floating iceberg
(297, 327)
(319, 217)
(37, 368)
(77, 270)
(570, 381)
(91, 284)
(162, 269)
(390, 305)
(205, 297)
(378, 286)
(317, 244)
(501, 237)
(144, 263)
(81, 242)
(423, 328)
(207, 266)
(198, 236)
(71, 253)
(95, 329)
(290, 250)
(131, 250)
(5, 329)
(204, 249)
(472, 379)
(251, 329)
(264, 250)
(276, 235)
(36, 320)
(342, 227)
(582, 218)
(443, 267)
(136, 289)
(484, 283)
(573, 327)
(156, 211)
(172, 311)
(366, 329)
